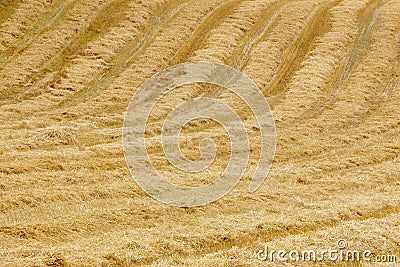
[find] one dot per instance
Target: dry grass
(68, 69)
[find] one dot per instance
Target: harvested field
(330, 70)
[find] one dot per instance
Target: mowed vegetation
(330, 70)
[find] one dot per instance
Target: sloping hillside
(330, 71)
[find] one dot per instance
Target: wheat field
(330, 70)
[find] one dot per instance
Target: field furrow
(152, 56)
(309, 82)
(38, 27)
(210, 22)
(266, 59)
(21, 20)
(45, 47)
(330, 70)
(259, 32)
(100, 53)
(379, 65)
(232, 30)
(94, 59)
